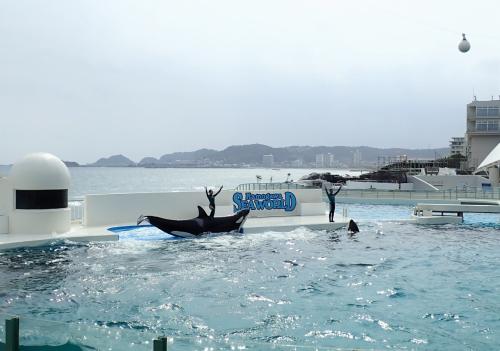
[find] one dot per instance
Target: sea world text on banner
(268, 201)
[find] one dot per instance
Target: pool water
(393, 285)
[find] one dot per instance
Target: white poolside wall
(453, 182)
(112, 209)
(425, 183)
(5, 196)
(378, 185)
(5, 204)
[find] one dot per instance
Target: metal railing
(450, 194)
(270, 186)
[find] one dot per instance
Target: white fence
(77, 210)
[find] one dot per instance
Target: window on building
(493, 111)
(481, 126)
(41, 199)
(486, 126)
(487, 112)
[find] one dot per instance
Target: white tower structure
(34, 197)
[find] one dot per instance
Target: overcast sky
(85, 79)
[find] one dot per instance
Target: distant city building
(297, 163)
(356, 158)
(268, 160)
(320, 161)
(457, 146)
(330, 160)
(483, 130)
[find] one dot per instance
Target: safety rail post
(160, 344)
(12, 334)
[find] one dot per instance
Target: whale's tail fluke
(141, 219)
(352, 228)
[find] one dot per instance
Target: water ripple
(407, 288)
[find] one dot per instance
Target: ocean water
(115, 180)
(391, 286)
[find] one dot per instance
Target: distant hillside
(290, 156)
(71, 164)
(113, 161)
(286, 156)
(148, 161)
(194, 155)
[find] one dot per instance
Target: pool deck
(288, 223)
(80, 233)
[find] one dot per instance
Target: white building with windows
(320, 160)
(483, 132)
(457, 146)
(330, 160)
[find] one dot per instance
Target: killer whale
(199, 225)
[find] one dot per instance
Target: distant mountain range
(290, 156)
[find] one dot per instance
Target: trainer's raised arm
(340, 187)
(217, 193)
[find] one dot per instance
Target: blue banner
(261, 202)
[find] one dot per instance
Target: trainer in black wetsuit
(331, 198)
(211, 199)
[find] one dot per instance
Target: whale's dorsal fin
(201, 213)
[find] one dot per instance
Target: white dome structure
(37, 201)
(39, 171)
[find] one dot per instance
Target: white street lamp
(464, 45)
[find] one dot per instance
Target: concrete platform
(77, 233)
(285, 224)
(81, 233)
(439, 213)
(464, 207)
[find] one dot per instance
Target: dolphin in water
(352, 228)
(202, 224)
